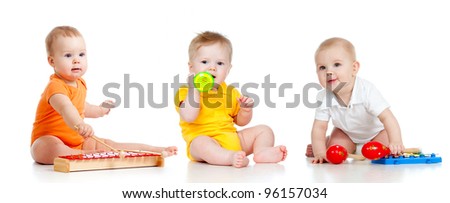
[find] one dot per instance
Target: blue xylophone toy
(412, 159)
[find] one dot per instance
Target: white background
(402, 47)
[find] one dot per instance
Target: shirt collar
(355, 98)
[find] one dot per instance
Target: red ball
(336, 154)
(374, 150)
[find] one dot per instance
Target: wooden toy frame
(106, 160)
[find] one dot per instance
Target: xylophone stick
(163, 153)
(141, 151)
(412, 150)
(357, 157)
(121, 154)
(103, 143)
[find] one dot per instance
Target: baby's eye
(82, 54)
(67, 55)
(204, 62)
(337, 64)
(220, 63)
(322, 68)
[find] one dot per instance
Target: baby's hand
(109, 104)
(190, 80)
(106, 106)
(84, 130)
(246, 102)
(396, 148)
(320, 158)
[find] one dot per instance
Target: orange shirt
(50, 122)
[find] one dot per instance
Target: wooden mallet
(121, 152)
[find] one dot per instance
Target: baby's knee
(46, 148)
(40, 151)
(265, 129)
(201, 140)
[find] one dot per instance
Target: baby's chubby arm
(62, 104)
(393, 130)
(190, 107)
(245, 113)
(318, 141)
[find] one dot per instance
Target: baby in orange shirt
(59, 128)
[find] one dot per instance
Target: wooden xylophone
(106, 160)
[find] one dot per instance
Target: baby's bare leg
(204, 148)
(339, 137)
(309, 149)
(46, 148)
(91, 144)
(259, 140)
(382, 137)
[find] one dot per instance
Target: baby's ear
(190, 66)
(355, 67)
(51, 61)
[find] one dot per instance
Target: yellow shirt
(218, 109)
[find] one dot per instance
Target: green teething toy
(203, 81)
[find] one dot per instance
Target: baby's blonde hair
(336, 41)
(207, 38)
(60, 31)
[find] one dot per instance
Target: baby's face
(334, 65)
(69, 58)
(213, 58)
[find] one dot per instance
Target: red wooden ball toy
(374, 150)
(336, 154)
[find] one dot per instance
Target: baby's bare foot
(271, 155)
(240, 159)
(309, 151)
(169, 151)
(284, 151)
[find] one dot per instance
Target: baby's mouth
(76, 69)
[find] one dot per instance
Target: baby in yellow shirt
(207, 118)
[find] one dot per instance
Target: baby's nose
(212, 68)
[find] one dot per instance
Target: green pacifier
(203, 81)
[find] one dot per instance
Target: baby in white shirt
(357, 110)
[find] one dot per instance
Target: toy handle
(203, 81)
(412, 150)
(357, 157)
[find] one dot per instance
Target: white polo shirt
(360, 119)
